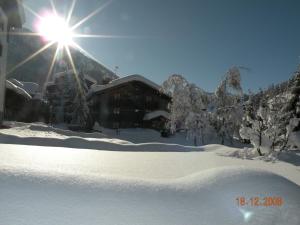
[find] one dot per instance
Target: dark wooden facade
(21, 107)
(125, 105)
(15, 106)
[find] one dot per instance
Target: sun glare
(56, 29)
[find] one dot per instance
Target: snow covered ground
(43, 135)
(54, 176)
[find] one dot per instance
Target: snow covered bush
(244, 153)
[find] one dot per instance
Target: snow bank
(66, 186)
(108, 144)
(208, 197)
(44, 135)
(126, 158)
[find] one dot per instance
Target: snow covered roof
(19, 90)
(16, 82)
(89, 78)
(117, 82)
(155, 114)
(50, 83)
(30, 87)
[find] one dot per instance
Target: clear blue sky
(199, 39)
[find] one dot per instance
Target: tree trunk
(260, 140)
(223, 138)
(259, 144)
(195, 141)
(259, 152)
(223, 133)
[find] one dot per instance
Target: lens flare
(246, 214)
(55, 28)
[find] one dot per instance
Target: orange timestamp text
(267, 201)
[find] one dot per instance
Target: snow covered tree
(292, 112)
(254, 124)
(81, 113)
(198, 127)
(188, 107)
(228, 112)
(274, 125)
(67, 98)
(284, 114)
(178, 87)
(198, 98)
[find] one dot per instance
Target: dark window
(117, 96)
(116, 110)
(148, 98)
(116, 125)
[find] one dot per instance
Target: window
(117, 96)
(116, 110)
(148, 98)
(116, 125)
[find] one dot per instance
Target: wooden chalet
(16, 101)
(129, 102)
(21, 106)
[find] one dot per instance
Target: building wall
(3, 60)
(125, 106)
(14, 12)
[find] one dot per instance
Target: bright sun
(55, 28)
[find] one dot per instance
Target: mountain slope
(36, 70)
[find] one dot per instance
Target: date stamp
(268, 201)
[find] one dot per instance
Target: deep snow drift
(54, 176)
(208, 197)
